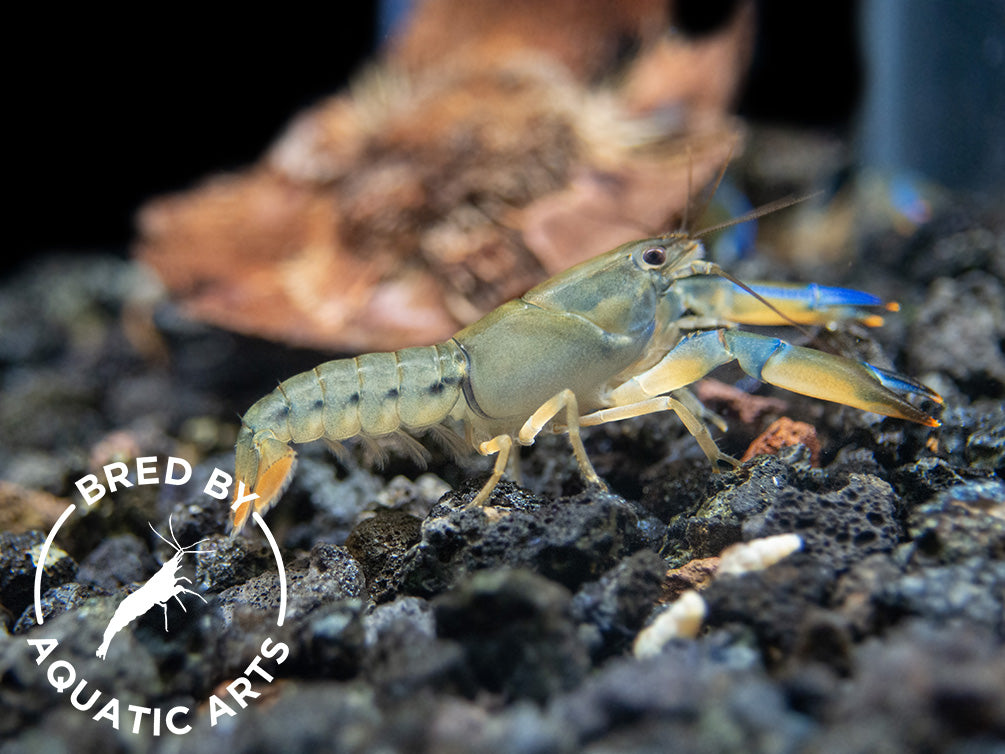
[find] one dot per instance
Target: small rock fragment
(695, 574)
(378, 544)
(780, 434)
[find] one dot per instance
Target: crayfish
(620, 335)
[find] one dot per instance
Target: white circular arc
(279, 564)
(42, 556)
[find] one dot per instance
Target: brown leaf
(479, 156)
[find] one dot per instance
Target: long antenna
(715, 185)
(765, 209)
(687, 204)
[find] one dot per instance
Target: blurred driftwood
(491, 145)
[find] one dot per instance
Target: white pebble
(682, 620)
(757, 554)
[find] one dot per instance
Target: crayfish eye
(654, 256)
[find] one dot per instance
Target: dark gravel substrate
(415, 625)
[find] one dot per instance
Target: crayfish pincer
(620, 335)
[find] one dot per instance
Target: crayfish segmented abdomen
(372, 395)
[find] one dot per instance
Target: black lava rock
(614, 607)
(570, 540)
(379, 544)
(19, 557)
(517, 632)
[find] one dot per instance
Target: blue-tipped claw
(816, 296)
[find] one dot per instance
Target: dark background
(106, 112)
(104, 117)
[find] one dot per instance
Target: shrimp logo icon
(66, 659)
(158, 590)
